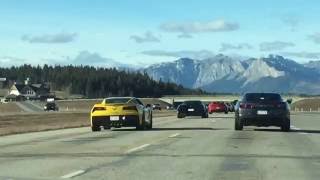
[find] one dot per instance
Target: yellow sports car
(121, 112)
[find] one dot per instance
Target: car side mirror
(289, 101)
(148, 105)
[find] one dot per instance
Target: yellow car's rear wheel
(95, 128)
(142, 125)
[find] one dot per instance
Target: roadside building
(29, 91)
(13, 97)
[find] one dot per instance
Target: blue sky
(143, 32)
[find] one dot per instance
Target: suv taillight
(280, 105)
(246, 106)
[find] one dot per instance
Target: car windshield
(117, 100)
(262, 97)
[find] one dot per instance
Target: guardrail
(306, 110)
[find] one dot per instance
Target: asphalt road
(191, 148)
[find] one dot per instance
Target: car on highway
(156, 106)
(51, 106)
(192, 108)
(217, 106)
(262, 109)
(121, 112)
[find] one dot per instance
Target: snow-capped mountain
(224, 74)
(313, 64)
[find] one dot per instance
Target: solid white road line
(137, 148)
(174, 135)
(294, 128)
(73, 174)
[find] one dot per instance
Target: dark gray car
(262, 109)
(192, 108)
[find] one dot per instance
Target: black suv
(51, 106)
(262, 109)
(192, 108)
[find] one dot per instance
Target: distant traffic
(254, 109)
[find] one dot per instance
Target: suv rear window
(193, 103)
(266, 97)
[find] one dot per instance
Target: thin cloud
(148, 37)
(88, 58)
(202, 54)
(315, 37)
(185, 36)
(275, 45)
(9, 60)
(200, 27)
(302, 54)
(228, 46)
(62, 37)
(292, 21)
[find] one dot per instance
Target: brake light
(99, 109)
(246, 106)
(280, 105)
(130, 108)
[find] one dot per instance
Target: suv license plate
(114, 118)
(190, 110)
(262, 112)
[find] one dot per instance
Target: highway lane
(191, 148)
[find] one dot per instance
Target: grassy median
(23, 123)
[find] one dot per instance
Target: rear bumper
(124, 121)
(195, 113)
(273, 118)
(217, 110)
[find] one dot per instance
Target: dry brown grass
(9, 108)
(80, 105)
(23, 123)
(307, 105)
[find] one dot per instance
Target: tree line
(94, 82)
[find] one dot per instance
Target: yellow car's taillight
(130, 108)
(99, 109)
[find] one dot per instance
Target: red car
(217, 107)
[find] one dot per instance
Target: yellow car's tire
(95, 128)
(141, 126)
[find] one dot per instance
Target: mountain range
(224, 74)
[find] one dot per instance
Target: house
(30, 91)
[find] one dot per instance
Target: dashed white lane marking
(303, 133)
(174, 135)
(137, 148)
(73, 174)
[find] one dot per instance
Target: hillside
(230, 75)
(94, 82)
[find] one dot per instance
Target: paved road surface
(191, 148)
